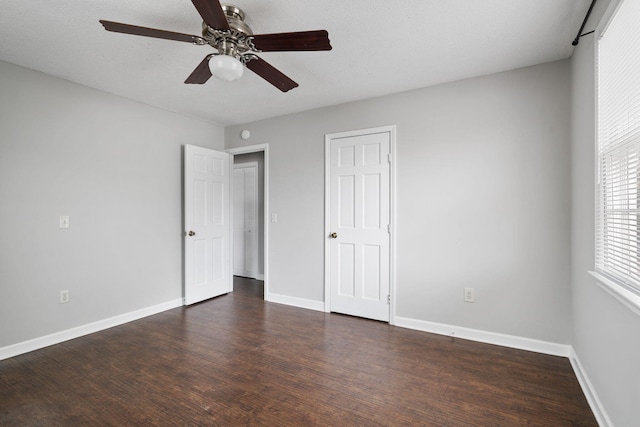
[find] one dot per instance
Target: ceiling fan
(224, 29)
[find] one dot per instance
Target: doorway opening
(248, 214)
(250, 187)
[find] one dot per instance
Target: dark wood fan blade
(212, 14)
(201, 74)
(271, 74)
(117, 27)
(301, 40)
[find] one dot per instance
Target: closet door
(359, 223)
(245, 219)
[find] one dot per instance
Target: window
(618, 190)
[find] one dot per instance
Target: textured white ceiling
(379, 47)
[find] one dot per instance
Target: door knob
(334, 235)
(191, 233)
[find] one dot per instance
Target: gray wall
(483, 199)
(606, 334)
(113, 166)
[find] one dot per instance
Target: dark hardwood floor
(238, 361)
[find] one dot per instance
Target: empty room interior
(329, 213)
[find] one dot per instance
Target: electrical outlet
(469, 295)
(64, 296)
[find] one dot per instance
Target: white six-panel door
(359, 223)
(207, 223)
(245, 219)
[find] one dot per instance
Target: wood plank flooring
(238, 361)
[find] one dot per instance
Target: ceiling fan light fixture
(226, 67)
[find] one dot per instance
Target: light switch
(274, 217)
(64, 221)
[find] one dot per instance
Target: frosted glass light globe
(226, 67)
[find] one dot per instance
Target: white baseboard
(259, 276)
(589, 392)
(486, 337)
(296, 302)
(69, 334)
(521, 343)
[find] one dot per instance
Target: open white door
(359, 223)
(207, 223)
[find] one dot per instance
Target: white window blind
(618, 192)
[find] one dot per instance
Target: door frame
(256, 149)
(246, 165)
(391, 129)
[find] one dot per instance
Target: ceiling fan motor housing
(235, 41)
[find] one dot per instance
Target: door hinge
(389, 157)
(388, 299)
(389, 228)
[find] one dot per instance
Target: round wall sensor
(245, 134)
